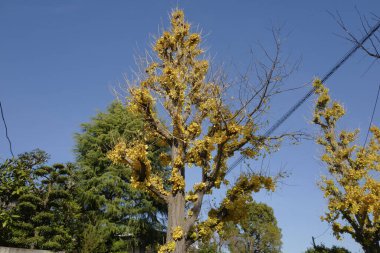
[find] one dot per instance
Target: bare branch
(373, 49)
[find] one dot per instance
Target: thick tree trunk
(374, 247)
(176, 218)
(369, 243)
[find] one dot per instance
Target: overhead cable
(284, 117)
(373, 114)
(6, 130)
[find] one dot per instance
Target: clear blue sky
(59, 60)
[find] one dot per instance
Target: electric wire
(6, 130)
(323, 233)
(373, 114)
(284, 117)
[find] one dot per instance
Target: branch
(210, 181)
(141, 174)
(156, 124)
(196, 209)
(355, 226)
(163, 198)
(352, 38)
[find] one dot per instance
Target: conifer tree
(204, 132)
(118, 217)
(40, 200)
(15, 181)
(323, 249)
(352, 186)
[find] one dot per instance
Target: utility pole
(313, 239)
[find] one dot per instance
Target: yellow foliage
(352, 188)
(208, 227)
(249, 152)
(165, 159)
(118, 154)
(177, 233)
(199, 186)
(167, 248)
(204, 131)
(157, 183)
(194, 129)
(240, 194)
(191, 197)
(135, 156)
(177, 180)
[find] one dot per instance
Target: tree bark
(373, 247)
(176, 218)
(369, 243)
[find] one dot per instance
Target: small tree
(204, 132)
(257, 232)
(352, 187)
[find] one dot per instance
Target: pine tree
(117, 216)
(323, 249)
(41, 200)
(15, 181)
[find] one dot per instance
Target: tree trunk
(374, 247)
(369, 243)
(176, 218)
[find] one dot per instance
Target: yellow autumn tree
(352, 186)
(202, 133)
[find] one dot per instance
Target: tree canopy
(323, 249)
(351, 187)
(38, 205)
(122, 216)
(257, 232)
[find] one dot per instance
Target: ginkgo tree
(352, 187)
(203, 131)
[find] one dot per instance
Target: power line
(312, 90)
(373, 114)
(323, 233)
(318, 236)
(6, 130)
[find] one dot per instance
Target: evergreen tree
(40, 201)
(15, 181)
(323, 249)
(117, 216)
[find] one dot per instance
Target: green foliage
(117, 216)
(323, 249)
(256, 232)
(94, 238)
(38, 208)
(210, 247)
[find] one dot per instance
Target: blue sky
(60, 59)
